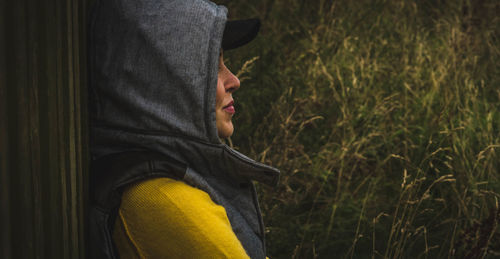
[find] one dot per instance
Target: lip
(229, 108)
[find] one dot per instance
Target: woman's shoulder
(163, 216)
(166, 193)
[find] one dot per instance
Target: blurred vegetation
(384, 118)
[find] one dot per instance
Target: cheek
(219, 97)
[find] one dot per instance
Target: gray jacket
(153, 78)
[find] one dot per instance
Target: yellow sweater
(165, 218)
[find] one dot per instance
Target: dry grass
(384, 117)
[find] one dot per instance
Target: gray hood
(153, 67)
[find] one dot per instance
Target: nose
(231, 82)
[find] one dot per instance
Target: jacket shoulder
(111, 173)
(109, 176)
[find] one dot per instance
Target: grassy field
(384, 117)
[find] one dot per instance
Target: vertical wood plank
(22, 234)
(81, 97)
(33, 57)
(43, 127)
(5, 241)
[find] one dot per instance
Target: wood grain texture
(5, 241)
(43, 127)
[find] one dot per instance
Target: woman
(162, 183)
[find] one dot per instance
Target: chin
(226, 130)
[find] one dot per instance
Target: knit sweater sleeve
(165, 218)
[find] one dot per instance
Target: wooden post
(43, 128)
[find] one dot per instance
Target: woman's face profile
(227, 83)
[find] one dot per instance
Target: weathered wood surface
(43, 150)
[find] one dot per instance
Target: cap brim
(239, 32)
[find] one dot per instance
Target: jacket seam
(259, 215)
(129, 236)
(142, 177)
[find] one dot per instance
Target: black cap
(239, 32)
